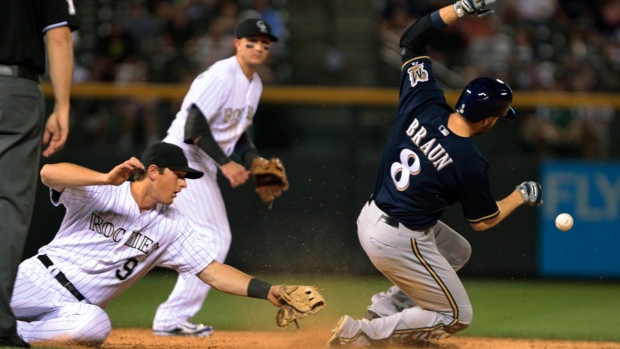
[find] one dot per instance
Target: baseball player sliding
(210, 127)
(430, 162)
(113, 233)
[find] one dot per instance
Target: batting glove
(472, 7)
(531, 192)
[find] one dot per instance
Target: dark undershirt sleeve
(422, 31)
(246, 150)
(197, 126)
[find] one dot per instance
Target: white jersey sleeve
(189, 253)
(76, 196)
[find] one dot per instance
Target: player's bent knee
(464, 253)
(92, 326)
(466, 315)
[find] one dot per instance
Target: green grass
(502, 308)
(545, 309)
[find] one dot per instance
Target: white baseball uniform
(228, 100)
(103, 246)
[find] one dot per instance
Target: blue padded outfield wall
(590, 192)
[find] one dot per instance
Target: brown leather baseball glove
(299, 302)
(270, 178)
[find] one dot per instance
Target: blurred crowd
(161, 41)
(534, 45)
(168, 40)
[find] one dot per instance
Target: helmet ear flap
(511, 115)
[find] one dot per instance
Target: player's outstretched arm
(295, 301)
(64, 174)
(423, 30)
(233, 281)
(526, 193)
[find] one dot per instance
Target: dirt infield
(313, 339)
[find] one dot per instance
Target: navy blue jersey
(425, 167)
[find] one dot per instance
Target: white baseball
(564, 221)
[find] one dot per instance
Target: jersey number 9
(128, 268)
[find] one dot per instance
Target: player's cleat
(188, 328)
(345, 325)
(334, 340)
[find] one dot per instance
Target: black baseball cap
(168, 155)
(255, 26)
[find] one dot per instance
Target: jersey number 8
(405, 169)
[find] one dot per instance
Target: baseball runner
(429, 163)
(210, 127)
(113, 233)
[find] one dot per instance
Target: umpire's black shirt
(23, 23)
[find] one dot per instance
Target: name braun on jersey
(138, 241)
(435, 153)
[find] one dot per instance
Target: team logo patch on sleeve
(417, 73)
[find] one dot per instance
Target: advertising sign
(590, 193)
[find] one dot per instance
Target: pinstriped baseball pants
(203, 206)
(46, 311)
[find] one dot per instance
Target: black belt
(47, 262)
(19, 72)
(389, 220)
(385, 218)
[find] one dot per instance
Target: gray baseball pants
(428, 300)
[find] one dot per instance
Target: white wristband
(459, 9)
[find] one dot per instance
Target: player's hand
(121, 173)
(473, 7)
(531, 192)
(236, 173)
(274, 295)
(56, 132)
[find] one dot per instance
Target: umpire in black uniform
(23, 129)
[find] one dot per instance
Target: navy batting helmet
(486, 97)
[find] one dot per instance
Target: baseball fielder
(211, 126)
(429, 163)
(112, 234)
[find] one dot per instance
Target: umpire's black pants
(22, 108)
